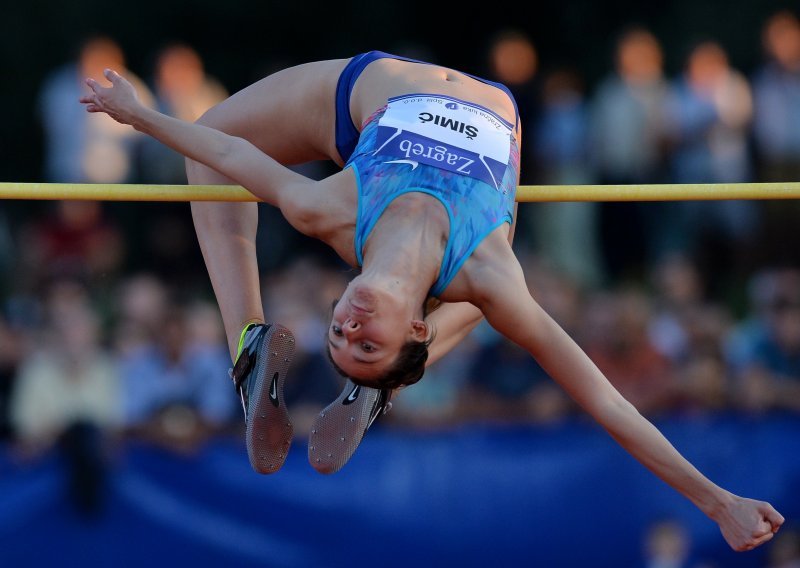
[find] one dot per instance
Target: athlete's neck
(406, 247)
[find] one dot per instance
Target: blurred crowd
(108, 327)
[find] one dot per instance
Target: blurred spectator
(437, 401)
(777, 100)
(566, 234)
(784, 550)
(10, 357)
(514, 61)
(141, 301)
(710, 115)
(507, 385)
(67, 393)
(627, 139)
(702, 381)
(504, 382)
(678, 288)
(667, 545)
(769, 374)
(762, 288)
(176, 387)
(81, 147)
(168, 248)
(69, 377)
(182, 89)
(76, 239)
(690, 332)
(777, 132)
(7, 251)
(618, 342)
(560, 295)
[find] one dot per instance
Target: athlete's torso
(381, 80)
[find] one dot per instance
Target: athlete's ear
(419, 330)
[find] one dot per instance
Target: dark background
(241, 40)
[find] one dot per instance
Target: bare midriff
(386, 78)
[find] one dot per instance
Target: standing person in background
(182, 89)
(11, 353)
(776, 86)
(67, 394)
(776, 126)
(567, 234)
(81, 148)
(628, 132)
(514, 61)
(76, 239)
(710, 112)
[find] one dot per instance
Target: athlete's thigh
(289, 115)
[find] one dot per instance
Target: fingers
(773, 517)
(94, 86)
(112, 76)
(771, 521)
(761, 540)
(93, 99)
(752, 543)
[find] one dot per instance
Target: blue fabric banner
(563, 496)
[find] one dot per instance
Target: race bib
(446, 133)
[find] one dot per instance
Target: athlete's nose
(350, 326)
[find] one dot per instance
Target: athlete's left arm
(454, 321)
(505, 300)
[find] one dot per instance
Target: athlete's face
(368, 328)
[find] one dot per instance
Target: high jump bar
(525, 193)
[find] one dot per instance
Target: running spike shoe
(264, 354)
(338, 430)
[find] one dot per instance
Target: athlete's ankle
(239, 341)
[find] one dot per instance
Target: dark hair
(407, 369)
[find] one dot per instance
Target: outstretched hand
(746, 523)
(119, 101)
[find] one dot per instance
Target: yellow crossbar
(525, 193)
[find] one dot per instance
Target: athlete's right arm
(502, 294)
(235, 157)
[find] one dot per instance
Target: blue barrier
(558, 496)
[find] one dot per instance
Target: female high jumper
(425, 207)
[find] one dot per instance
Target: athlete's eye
(367, 347)
(337, 331)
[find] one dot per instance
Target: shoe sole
(338, 430)
(269, 429)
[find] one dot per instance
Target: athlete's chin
(359, 375)
(369, 382)
(367, 378)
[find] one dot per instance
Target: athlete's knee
(215, 117)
